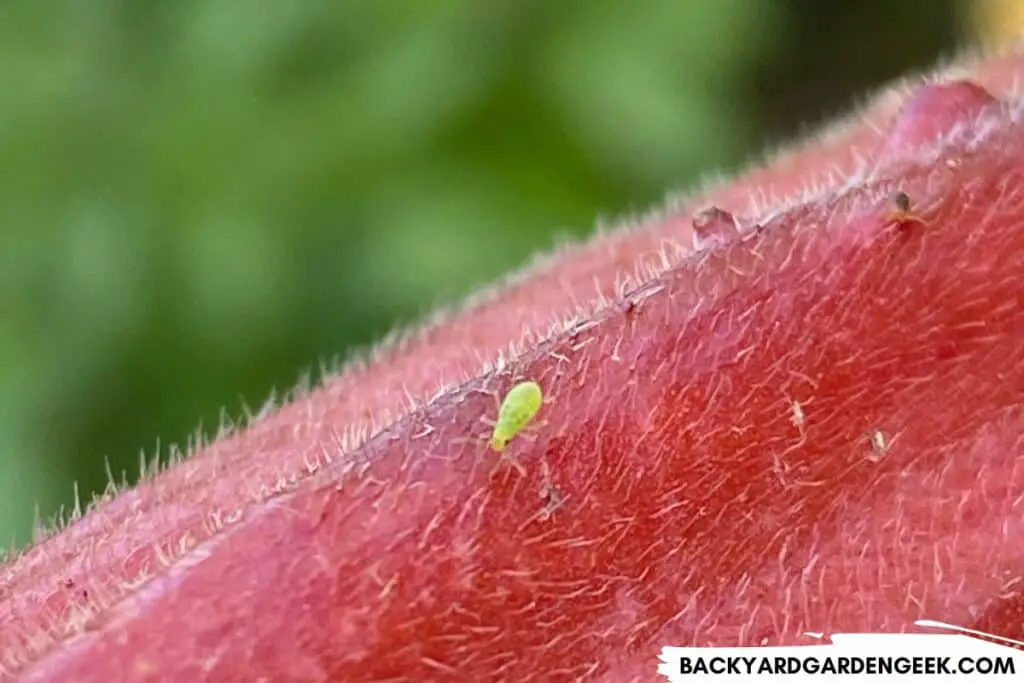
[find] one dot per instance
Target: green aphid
(521, 405)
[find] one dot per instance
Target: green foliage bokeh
(201, 199)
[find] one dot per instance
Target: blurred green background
(201, 199)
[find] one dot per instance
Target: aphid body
(521, 405)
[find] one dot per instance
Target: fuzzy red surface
(700, 507)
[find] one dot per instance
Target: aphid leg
(480, 437)
(508, 458)
(529, 432)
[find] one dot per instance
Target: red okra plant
(790, 404)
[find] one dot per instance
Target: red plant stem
(697, 508)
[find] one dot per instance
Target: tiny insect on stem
(713, 226)
(899, 211)
(520, 405)
(901, 200)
